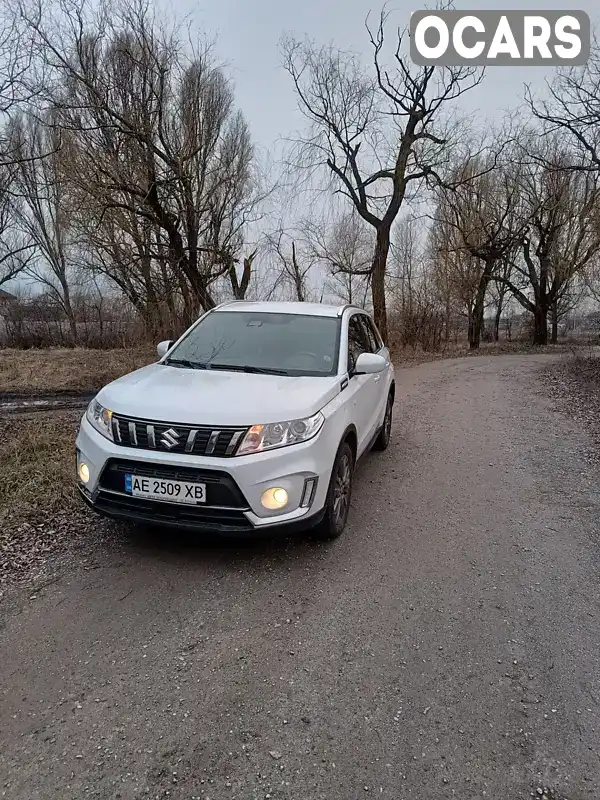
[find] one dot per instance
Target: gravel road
(446, 646)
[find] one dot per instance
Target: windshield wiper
(184, 362)
(249, 368)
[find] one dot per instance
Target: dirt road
(446, 646)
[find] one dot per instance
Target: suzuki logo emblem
(169, 439)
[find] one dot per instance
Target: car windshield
(262, 342)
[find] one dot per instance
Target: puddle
(27, 404)
(16, 403)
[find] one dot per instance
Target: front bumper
(172, 516)
(234, 485)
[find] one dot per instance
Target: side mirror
(163, 348)
(369, 363)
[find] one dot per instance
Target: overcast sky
(248, 32)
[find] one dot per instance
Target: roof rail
(227, 303)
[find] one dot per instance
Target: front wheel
(339, 495)
(383, 439)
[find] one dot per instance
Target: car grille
(175, 438)
(221, 489)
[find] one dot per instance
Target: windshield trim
(291, 373)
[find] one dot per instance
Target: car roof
(287, 307)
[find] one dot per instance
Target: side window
(376, 333)
(370, 334)
(357, 341)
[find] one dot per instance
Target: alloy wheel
(387, 424)
(341, 490)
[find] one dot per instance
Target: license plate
(159, 489)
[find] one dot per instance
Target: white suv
(253, 419)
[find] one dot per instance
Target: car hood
(214, 397)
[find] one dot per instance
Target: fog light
(84, 473)
(274, 499)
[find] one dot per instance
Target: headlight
(280, 434)
(100, 418)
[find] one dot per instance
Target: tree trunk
(297, 277)
(379, 265)
(200, 293)
(68, 308)
(447, 319)
(73, 328)
(299, 288)
(554, 318)
(540, 325)
(470, 324)
(476, 322)
(204, 296)
(188, 303)
(167, 290)
(498, 317)
(239, 288)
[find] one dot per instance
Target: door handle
(377, 378)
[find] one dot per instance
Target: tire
(383, 439)
(339, 496)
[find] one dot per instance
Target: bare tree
(16, 83)
(417, 317)
(448, 267)
(478, 225)
(499, 290)
(16, 248)
(560, 208)
(342, 247)
(15, 60)
(154, 130)
(294, 264)
(45, 210)
(591, 278)
(570, 298)
(572, 110)
(376, 134)
(406, 254)
(239, 286)
(127, 249)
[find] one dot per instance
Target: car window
(293, 344)
(370, 334)
(376, 334)
(357, 341)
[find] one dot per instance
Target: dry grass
(61, 369)
(573, 385)
(37, 454)
(81, 370)
(40, 513)
(407, 356)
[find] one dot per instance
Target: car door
(363, 388)
(381, 379)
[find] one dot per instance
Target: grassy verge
(61, 369)
(37, 454)
(408, 355)
(40, 514)
(79, 370)
(573, 385)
